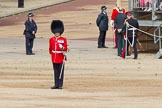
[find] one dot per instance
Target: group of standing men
(58, 44)
(119, 19)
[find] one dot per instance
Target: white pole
(126, 43)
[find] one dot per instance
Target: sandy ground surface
(10, 7)
(94, 78)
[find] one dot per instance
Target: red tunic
(115, 12)
(57, 54)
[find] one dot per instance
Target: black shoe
(32, 54)
(119, 55)
(27, 53)
(135, 58)
(104, 47)
(100, 47)
(54, 87)
(59, 87)
(128, 54)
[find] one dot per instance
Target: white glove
(112, 23)
(61, 46)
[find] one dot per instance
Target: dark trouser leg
(116, 40)
(103, 39)
(119, 36)
(128, 44)
(27, 44)
(31, 45)
(135, 48)
(62, 75)
(57, 70)
(100, 38)
(123, 43)
(56, 74)
(158, 4)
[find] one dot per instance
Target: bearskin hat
(57, 26)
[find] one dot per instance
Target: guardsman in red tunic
(115, 12)
(57, 50)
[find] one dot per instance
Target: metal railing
(157, 38)
(136, 4)
(141, 5)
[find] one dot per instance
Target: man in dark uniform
(132, 39)
(102, 22)
(119, 23)
(29, 32)
(57, 50)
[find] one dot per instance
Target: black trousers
(101, 39)
(119, 37)
(29, 45)
(58, 67)
(158, 3)
(134, 46)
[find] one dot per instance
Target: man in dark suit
(132, 34)
(119, 23)
(29, 32)
(102, 22)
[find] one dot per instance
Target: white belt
(58, 52)
(133, 29)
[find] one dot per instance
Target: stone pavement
(10, 7)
